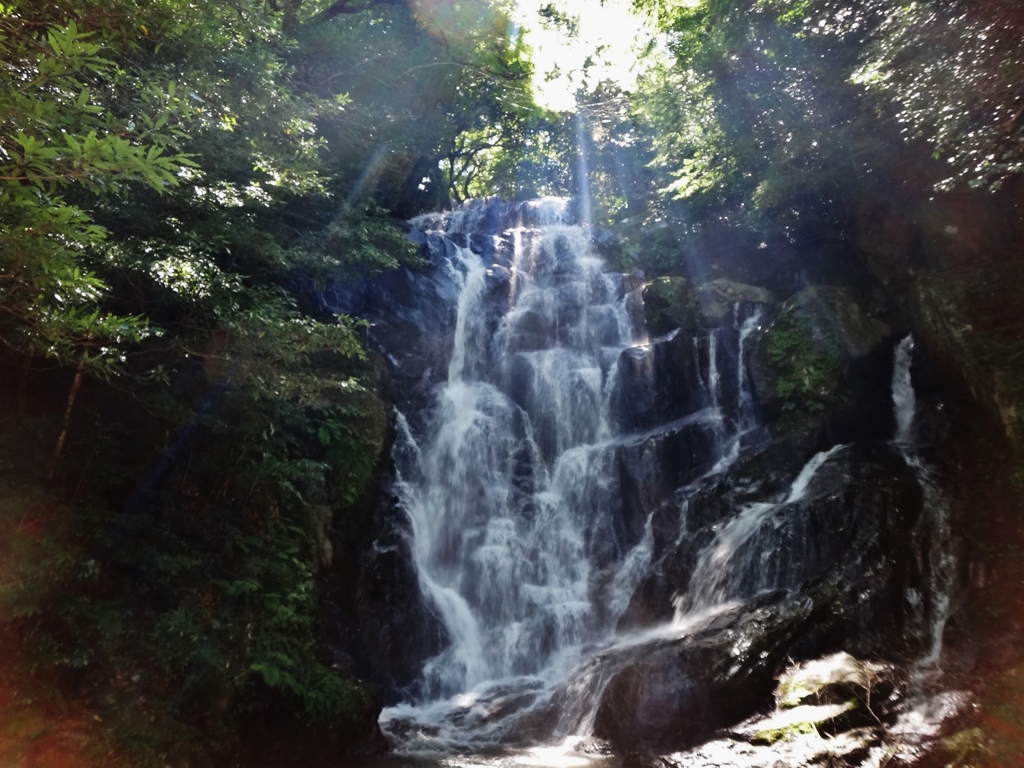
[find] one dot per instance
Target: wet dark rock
(633, 475)
(849, 716)
(686, 521)
(411, 317)
(855, 527)
(822, 361)
(530, 330)
(719, 297)
(396, 631)
(670, 303)
(653, 465)
(655, 383)
(671, 694)
(607, 244)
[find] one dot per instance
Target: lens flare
(449, 20)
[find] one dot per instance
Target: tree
(954, 73)
(763, 104)
(177, 184)
(56, 134)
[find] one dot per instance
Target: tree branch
(340, 7)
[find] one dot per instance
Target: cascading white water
(941, 564)
(714, 387)
(516, 486)
(715, 580)
(903, 398)
(724, 567)
(745, 415)
(513, 474)
(729, 435)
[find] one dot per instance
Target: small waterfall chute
(940, 569)
(904, 399)
(736, 552)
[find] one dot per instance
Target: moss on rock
(670, 302)
(800, 361)
(673, 302)
(804, 719)
(718, 297)
(832, 679)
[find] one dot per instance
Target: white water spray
(904, 399)
(715, 580)
(745, 415)
(940, 561)
(510, 492)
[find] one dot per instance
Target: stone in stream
(836, 710)
(675, 693)
(823, 361)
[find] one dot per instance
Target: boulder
(855, 525)
(670, 303)
(823, 361)
(856, 528)
(718, 298)
(844, 717)
(685, 522)
(846, 558)
(674, 302)
(674, 693)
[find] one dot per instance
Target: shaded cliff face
(563, 483)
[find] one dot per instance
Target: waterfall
(578, 501)
(745, 415)
(725, 566)
(509, 493)
(714, 387)
(940, 562)
(903, 397)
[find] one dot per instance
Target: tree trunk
(67, 419)
(23, 387)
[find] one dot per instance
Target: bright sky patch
(600, 41)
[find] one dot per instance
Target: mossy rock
(673, 302)
(966, 747)
(833, 679)
(807, 718)
(718, 297)
(669, 303)
(800, 362)
(973, 325)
